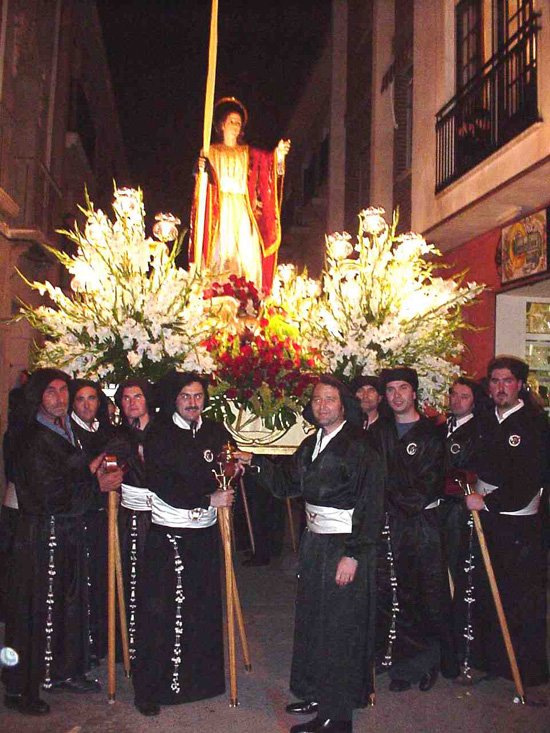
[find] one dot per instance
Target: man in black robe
(341, 480)
(466, 401)
(509, 461)
(135, 400)
(48, 606)
(367, 390)
(414, 635)
(92, 430)
(179, 650)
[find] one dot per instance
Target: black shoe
(255, 562)
(327, 725)
(399, 685)
(80, 685)
(302, 707)
(428, 680)
(147, 708)
(25, 705)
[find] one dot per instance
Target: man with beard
(48, 606)
(92, 430)
(341, 479)
(134, 399)
(413, 628)
(509, 460)
(179, 618)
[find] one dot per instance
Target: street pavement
(267, 595)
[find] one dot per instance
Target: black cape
(55, 490)
(179, 471)
(510, 455)
(423, 623)
(332, 659)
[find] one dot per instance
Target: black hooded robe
(93, 443)
(415, 464)
(55, 490)
(334, 625)
(179, 471)
(510, 455)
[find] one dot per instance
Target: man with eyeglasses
(179, 620)
(509, 461)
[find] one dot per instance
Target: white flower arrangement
(132, 312)
(385, 306)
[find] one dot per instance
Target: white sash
(136, 498)
(483, 488)
(169, 516)
(328, 520)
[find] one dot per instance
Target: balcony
(495, 106)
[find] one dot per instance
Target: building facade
(59, 133)
(456, 134)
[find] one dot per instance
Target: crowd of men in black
(390, 575)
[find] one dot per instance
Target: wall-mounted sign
(524, 247)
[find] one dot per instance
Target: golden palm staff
(207, 128)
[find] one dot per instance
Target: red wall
(478, 257)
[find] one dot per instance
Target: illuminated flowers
(132, 311)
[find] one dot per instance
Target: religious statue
(241, 230)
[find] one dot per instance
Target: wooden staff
(291, 525)
(225, 529)
(111, 598)
(121, 606)
(247, 515)
(207, 128)
(240, 623)
(496, 598)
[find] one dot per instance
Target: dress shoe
(427, 681)
(399, 685)
(302, 707)
(26, 705)
(255, 562)
(79, 685)
(323, 725)
(147, 708)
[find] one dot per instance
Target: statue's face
(231, 128)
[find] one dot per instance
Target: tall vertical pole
(207, 128)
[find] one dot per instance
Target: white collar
(323, 440)
(178, 420)
(515, 408)
(459, 421)
(93, 428)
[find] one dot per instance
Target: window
(469, 43)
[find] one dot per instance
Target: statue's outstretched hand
(283, 148)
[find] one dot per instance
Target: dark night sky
(157, 51)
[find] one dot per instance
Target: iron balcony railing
(498, 103)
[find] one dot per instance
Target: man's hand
(345, 572)
(475, 502)
(222, 498)
(109, 480)
(244, 458)
(96, 463)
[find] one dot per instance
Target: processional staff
(227, 473)
(468, 490)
